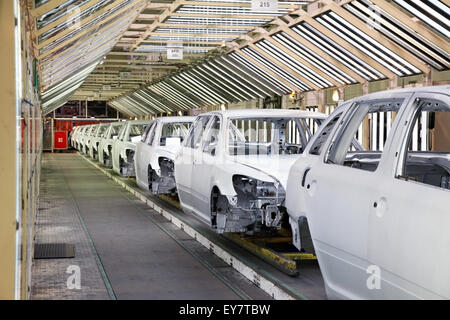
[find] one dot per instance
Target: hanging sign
(175, 51)
(124, 74)
(264, 5)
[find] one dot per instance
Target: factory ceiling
(116, 50)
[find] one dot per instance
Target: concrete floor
(123, 248)
(308, 285)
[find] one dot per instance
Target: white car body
(155, 154)
(379, 221)
(87, 138)
(96, 138)
(81, 141)
(79, 136)
(207, 168)
(105, 145)
(73, 136)
(124, 146)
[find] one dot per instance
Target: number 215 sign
(264, 5)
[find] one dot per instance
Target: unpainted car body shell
(105, 145)
(87, 138)
(83, 138)
(79, 137)
(123, 150)
(95, 141)
(147, 156)
(74, 135)
(373, 227)
(197, 173)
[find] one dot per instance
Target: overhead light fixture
(335, 96)
(222, 107)
(180, 113)
(293, 96)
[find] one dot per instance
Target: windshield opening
(172, 131)
(269, 136)
(136, 130)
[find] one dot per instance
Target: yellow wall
(8, 152)
(17, 166)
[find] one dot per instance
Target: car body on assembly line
(378, 210)
(155, 154)
(79, 136)
(232, 168)
(105, 145)
(98, 135)
(83, 137)
(73, 135)
(90, 132)
(124, 146)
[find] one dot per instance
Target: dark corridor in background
(85, 109)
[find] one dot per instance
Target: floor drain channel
(54, 251)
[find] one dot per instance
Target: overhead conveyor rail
(338, 43)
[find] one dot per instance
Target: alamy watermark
(374, 18)
(374, 280)
(74, 22)
(74, 280)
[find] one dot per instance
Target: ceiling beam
(347, 46)
(379, 37)
(281, 5)
(221, 15)
(297, 57)
(88, 19)
(46, 7)
(134, 62)
(273, 74)
(146, 16)
(67, 16)
(323, 54)
(138, 7)
(174, 6)
(414, 25)
(284, 66)
(193, 35)
(212, 44)
(203, 26)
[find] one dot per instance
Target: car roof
(271, 113)
(131, 122)
(382, 94)
(176, 119)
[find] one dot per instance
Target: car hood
(276, 166)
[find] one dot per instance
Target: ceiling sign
(124, 74)
(175, 51)
(264, 5)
